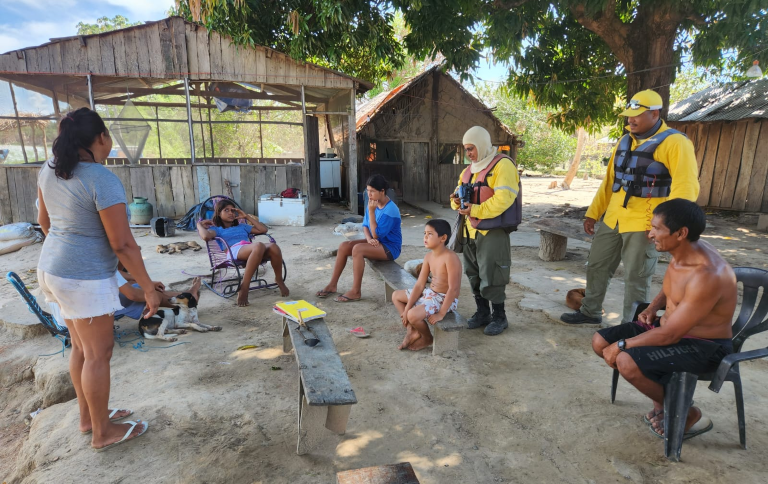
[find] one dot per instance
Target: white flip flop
(112, 418)
(125, 437)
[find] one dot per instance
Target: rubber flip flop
(704, 425)
(112, 418)
(324, 294)
(345, 299)
(358, 332)
(125, 437)
(647, 421)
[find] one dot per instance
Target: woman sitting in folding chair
(226, 226)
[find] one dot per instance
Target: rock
(52, 381)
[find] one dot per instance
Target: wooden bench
(401, 473)
(446, 332)
(555, 233)
(325, 393)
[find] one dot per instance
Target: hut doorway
(416, 180)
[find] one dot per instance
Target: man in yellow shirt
(494, 210)
(651, 164)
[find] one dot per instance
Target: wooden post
(433, 167)
(90, 93)
(56, 109)
(351, 125)
(18, 122)
(159, 144)
(261, 140)
(202, 128)
(581, 136)
(189, 119)
(305, 180)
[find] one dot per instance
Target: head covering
(481, 139)
(643, 101)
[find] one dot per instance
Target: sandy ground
(531, 405)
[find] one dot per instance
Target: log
(552, 247)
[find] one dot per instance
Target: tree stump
(552, 246)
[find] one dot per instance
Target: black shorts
(387, 252)
(659, 362)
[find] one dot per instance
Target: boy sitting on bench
(421, 304)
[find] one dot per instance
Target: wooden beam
(18, 123)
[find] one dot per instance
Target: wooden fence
(733, 163)
(172, 190)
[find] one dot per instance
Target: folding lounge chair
(48, 321)
(227, 274)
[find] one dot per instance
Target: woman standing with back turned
(83, 215)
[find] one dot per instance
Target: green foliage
(545, 147)
(354, 36)
(105, 24)
(688, 82)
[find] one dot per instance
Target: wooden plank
(191, 39)
(401, 473)
(708, 165)
(44, 59)
(747, 160)
(30, 57)
(163, 191)
(323, 375)
(234, 173)
(247, 187)
(721, 163)
(18, 175)
(143, 185)
(203, 53)
(248, 65)
(214, 48)
(293, 175)
(261, 64)
(30, 192)
(107, 55)
(203, 183)
(187, 181)
(166, 48)
(214, 178)
(177, 187)
(700, 145)
(225, 177)
(269, 180)
(142, 54)
(734, 163)
(13, 194)
(227, 58)
(124, 174)
(94, 55)
(151, 35)
(130, 54)
(759, 170)
(180, 58)
(118, 47)
(81, 57)
(260, 188)
(281, 179)
(55, 57)
(6, 214)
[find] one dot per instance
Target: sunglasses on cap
(635, 104)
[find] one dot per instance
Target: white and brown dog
(174, 320)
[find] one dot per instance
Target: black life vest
(637, 172)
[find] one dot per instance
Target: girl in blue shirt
(383, 240)
(225, 225)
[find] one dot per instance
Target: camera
(464, 192)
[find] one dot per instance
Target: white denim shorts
(81, 299)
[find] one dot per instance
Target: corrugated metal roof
(727, 102)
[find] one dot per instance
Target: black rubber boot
(483, 315)
(579, 318)
(498, 321)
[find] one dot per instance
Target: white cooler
(274, 210)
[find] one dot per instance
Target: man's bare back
(703, 274)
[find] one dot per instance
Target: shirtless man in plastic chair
(694, 334)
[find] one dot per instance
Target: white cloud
(31, 34)
(140, 10)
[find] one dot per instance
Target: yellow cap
(643, 101)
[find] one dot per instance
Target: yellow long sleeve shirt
(677, 154)
(505, 182)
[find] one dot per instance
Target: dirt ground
(531, 405)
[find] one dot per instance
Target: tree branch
(508, 4)
(608, 27)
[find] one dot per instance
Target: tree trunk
(552, 246)
(581, 136)
(653, 62)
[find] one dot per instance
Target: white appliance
(330, 175)
(274, 210)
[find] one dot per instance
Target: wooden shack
(181, 68)
(413, 135)
(728, 126)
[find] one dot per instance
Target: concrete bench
(555, 233)
(401, 473)
(325, 393)
(445, 332)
